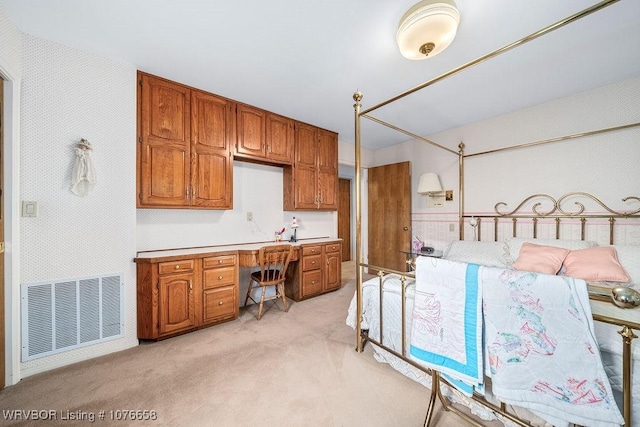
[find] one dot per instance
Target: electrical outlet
(249, 216)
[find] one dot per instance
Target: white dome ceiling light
(427, 28)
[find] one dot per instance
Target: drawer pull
(219, 261)
(313, 282)
(190, 286)
(220, 303)
(313, 262)
(177, 267)
(220, 277)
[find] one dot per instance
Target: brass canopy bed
(496, 248)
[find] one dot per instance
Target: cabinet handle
(313, 282)
(190, 286)
(313, 262)
(220, 277)
(220, 303)
(177, 267)
(219, 261)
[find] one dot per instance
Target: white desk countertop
(230, 247)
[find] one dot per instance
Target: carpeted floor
(289, 369)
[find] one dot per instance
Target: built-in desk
(180, 290)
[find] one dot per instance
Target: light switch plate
(29, 209)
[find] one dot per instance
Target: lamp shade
(427, 28)
(429, 183)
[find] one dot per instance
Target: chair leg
(284, 297)
(264, 289)
(248, 292)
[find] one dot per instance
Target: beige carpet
(289, 369)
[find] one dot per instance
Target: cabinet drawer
(219, 261)
(311, 250)
(311, 283)
(311, 262)
(175, 266)
(215, 277)
(219, 303)
(332, 247)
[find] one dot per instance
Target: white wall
(69, 94)
(604, 165)
(257, 189)
(10, 71)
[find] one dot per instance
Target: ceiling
(304, 59)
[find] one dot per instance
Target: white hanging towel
(83, 177)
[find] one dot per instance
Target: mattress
(609, 342)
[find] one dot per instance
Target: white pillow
(629, 257)
(515, 243)
(491, 254)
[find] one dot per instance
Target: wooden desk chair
(273, 261)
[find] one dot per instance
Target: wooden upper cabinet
(306, 145)
(263, 136)
(164, 148)
(279, 139)
(251, 139)
(212, 167)
(327, 170)
(184, 152)
(312, 182)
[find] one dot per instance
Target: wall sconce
(427, 28)
(430, 185)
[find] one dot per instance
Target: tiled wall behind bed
(435, 229)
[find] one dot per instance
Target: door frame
(11, 175)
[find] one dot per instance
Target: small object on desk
(294, 227)
(426, 250)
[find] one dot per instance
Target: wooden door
(389, 195)
(251, 131)
(2, 334)
(279, 139)
(177, 309)
(212, 168)
(344, 217)
(165, 143)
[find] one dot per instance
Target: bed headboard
(574, 216)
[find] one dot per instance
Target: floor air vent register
(62, 315)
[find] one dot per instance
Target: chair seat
(273, 261)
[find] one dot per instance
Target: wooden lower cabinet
(181, 295)
(220, 289)
(318, 271)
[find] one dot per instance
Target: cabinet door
(279, 139)
(176, 300)
(306, 187)
(306, 144)
(212, 131)
(327, 170)
(164, 143)
(251, 131)
(332, 273)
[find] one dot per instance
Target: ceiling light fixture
(427, 28)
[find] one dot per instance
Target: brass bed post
(357, 97)
(461, 189)
(627, 337)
